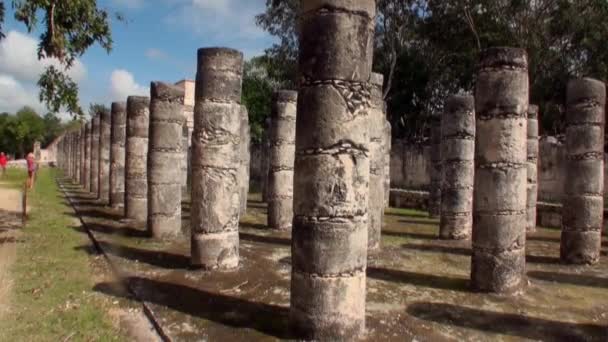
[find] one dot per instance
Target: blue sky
(158, 41)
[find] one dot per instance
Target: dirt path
(10, 223)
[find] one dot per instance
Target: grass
(52, 297)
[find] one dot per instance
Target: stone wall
(410, 168)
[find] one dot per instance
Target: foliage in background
(68, 28)
(18, 132)
(428, 49)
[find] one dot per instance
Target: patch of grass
(409, 213)
(52, 297)
(14, 178)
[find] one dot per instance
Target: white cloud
(153, 53)
(221, 22)
(13, 95)
(19, 58)
(123, 84)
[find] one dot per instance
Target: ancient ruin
(94, 170)
(185, 176)
(82, 151)
(165, 156)
(435, 187)
(105, 133)
(458, 167)
(331, 178)
(87, 156)
(377, 158)
(136, 152)
(499, 203)
(282, 140)
(582, 212)
(532, 189)
(245, 156)
(118, 137)
(216, 159)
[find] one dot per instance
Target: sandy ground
(10, 223)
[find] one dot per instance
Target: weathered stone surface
(94, 171)
(458, 167)
(282, 137)
(82, 146)
(499, 202)
(376, 128)
(136, 151)
(582, 211)
(245, 155)
(388, 141)
(165, 156)
(435, 186)
(87, 157)
(117, 154)
(105, 134)
(216, 159)
(266, 159)
(532, 149)
(332, 169)
(185, 161)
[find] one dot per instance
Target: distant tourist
(3, 161)
(31, 169)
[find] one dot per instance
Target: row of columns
(336, 162)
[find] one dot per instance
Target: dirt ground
(417, 285)
(10, 224)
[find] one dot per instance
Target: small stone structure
(165, 157)
(136, 151)
(94, 170)
(435, 187)
(499, 234)
(282, 138)
(377, 129)
(458, 167)
(331, 178)
(582, 212)
(245, 152)
(117, 154)
(105, 134)
(216, 159)
(532, 172)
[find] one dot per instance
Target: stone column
(117, 154)
(94, 170)
(532, 168)
(184, 163)
(458, 167)
(74, 156)
(216, 159)
(434, 208)
(136, 153)
(82, 144)
(499, 202)
(266, 159)
(282, 141)
(331, 180)
(165, 157)
(87, 156)
(388, 140)
(104, 156)
(376, 161)
(68, 150)
(245, 157)
(583, 201)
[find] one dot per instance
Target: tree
(257, 94)
(70, 28)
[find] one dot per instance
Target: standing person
(3, 161)
(31, 170)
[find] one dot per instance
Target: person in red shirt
(31, 170)
(3, 161)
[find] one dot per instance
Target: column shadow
(507, 324)
(230, 311)
(419, 279)
(574, 279)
